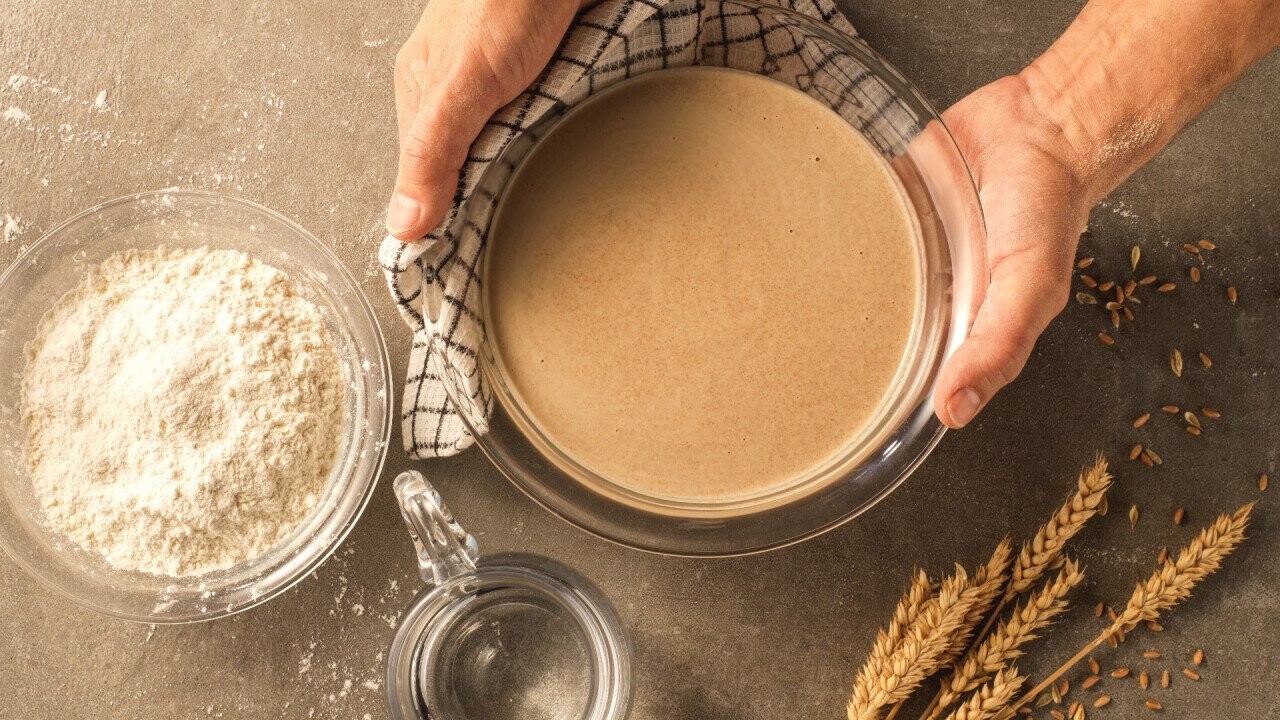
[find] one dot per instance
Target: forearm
(1129, 74)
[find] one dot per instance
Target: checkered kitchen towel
(435, 283)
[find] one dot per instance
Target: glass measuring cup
(506, 636)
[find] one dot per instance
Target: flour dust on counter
(182, 410)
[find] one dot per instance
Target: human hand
(464, 61)
(1036, 202)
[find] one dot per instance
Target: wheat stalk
(1044, 550)
(990, 698)
(990, 579)
(1171, 583)
(1003, 645)
(890, 678)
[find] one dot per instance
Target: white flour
(183, 409)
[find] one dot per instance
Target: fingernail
(963, 405)
(403, 214)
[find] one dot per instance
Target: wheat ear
(994, 653)
(1044, 550)
(991, 698)
(1168, 585)
(990, 579)
(916, 657)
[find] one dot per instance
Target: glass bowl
(56, 264)
(847, 76)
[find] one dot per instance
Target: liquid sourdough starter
(701, 286)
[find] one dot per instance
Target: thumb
(431, 155)
(1029, 286)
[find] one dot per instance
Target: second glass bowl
(186, 219)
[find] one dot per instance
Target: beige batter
(701, 284)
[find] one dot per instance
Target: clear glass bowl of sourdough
(935, 183)
(186, 219)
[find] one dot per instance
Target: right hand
(464, 61)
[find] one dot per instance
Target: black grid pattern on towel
(435, 283)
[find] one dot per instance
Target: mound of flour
(182, 408)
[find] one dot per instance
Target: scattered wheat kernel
(1206, 360)
(1263, 481)
(1144, 680)
(1142, 420)
(1191, 418)
(1115, 319)
(1193, 430)
(1106, 339)
(1207, 245)
(1130, 286)
(1057, 714)
(1044, 699)
(1119, 294)
(1232, 294)
(1153, 705)
(1154, 626)
(1090, 681)
(1154, 457)
(1151, 655)
(1167, 287)
(1121, 636)
(1084, 263)
(1179, 515)
(1112, 641)
(1113, 306)
(1128, 312)
(1191, 674)
(1106, 286)
(1077, 711)
(1171, 409)
(1191, 248)
(1025, 710)
(1057, 696)
(1145, 457)
(1134, 452)
(1148, 280)
(1097, 612)
(1134, 299)
(1120, 672)
(1085, 298)
(1135, 254)
(1210, 413)
(1164, 679)
(1197, 657)
(1162, 557)
(1175, 362)
(1133, 516)
(1064, 687)
(1089, 281)
(1195, 274)
(1101, 701)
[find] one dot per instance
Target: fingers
(1029, 287)
(432, 151)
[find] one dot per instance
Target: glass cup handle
(444, 549)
